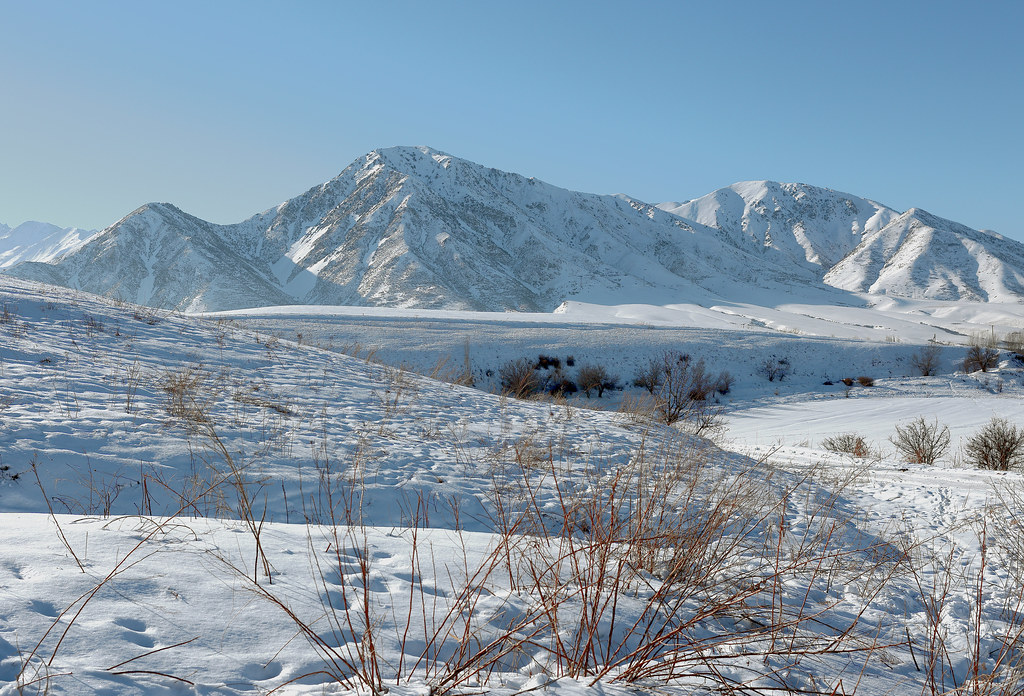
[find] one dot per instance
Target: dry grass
(191, 391)
(669, 569)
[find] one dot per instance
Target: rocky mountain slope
(414, 227)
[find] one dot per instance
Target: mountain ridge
(416, 227)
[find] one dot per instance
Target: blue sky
(228, 108)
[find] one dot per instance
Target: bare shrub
(545, 362)
(678, 540)
(926, 360)
(998, 446)
(639, 411)
(775, 368)
(133, 376)
(990, 661)
(921, 442)
(595, 377)
(979, 358)
(649, 377)
(865, 381)
(723, 385)
(560, 385)
(682, 394)
(519, 379)
(702, 383)
(847, 443)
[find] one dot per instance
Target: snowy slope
(921, 255)
(799, 569)
(810, 226)
(39, 241)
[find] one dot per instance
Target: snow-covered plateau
(313, 500)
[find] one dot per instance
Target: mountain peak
(406, 157)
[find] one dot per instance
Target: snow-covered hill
(39, 241)
(414, 227)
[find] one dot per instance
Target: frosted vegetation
(306, 503)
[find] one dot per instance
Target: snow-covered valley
(281, 500)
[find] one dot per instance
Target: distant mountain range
(39, 241)
(414, 227)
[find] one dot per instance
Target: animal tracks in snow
(135, 632)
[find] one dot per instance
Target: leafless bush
(998, 446)
(92, 325)
(595, 377)
(649, 377)
(546, 362)
(775, 368)
(973, 657)
(723, 385)
(519, 379)
(979, 358)
(558, 385)
(638, 411)
(921, 442)
(683, 555)
(847, 443)
(684, 390)
(866, 381)
(926, 360)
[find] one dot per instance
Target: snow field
(424, 535)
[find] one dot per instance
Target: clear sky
(227, 108)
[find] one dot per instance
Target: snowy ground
(231, 509)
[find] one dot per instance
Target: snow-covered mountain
(921, 255)
(414, 227)
(807, 225)
(39, 241)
